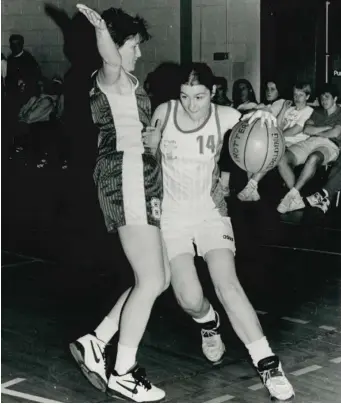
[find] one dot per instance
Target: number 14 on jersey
(210, 143)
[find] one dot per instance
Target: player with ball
(189, 138)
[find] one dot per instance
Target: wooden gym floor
(61, 273)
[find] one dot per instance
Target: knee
(191, 301)
(151, 286)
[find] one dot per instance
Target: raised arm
(112, 62)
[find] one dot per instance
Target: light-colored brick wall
(44, 39)
(228, 26)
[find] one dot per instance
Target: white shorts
(302, 150)
(209, 233)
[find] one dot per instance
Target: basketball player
(129, 185)
(194, 212)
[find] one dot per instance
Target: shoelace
(273, 373)
(141, 378)
(209, 336)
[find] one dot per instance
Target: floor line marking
(256, 387)
(308, 369)
(336, 360)
(295, 320)
(12, 382)
(302, 249)
(26, 256)
(18, 264)
(261, 312)
(327, 327)
(30, 397)
(220, 399)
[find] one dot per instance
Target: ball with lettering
(256, 148)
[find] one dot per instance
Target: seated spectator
(243, 96)
(321, 148)
(39, 107)
(272, 97)
(220, 97)
(322, 199)
(34, 122)
(291, 120)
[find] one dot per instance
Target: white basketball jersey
(189, 163)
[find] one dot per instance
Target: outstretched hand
(263, 115)
(94, 18)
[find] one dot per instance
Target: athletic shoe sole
(277, 400)
(77, 351)
(116, 394)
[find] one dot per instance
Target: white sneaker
(135, 386)
(212, 345)
(319, 201)
(274, 379)
(249, 193)
(291, 201)
(88, 352)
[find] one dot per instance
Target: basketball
(256, 148)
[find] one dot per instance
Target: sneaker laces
(141, 378)
(209, 336)
(269, 375)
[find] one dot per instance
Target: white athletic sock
(125, 359)
(294, 192)
(253, 183)
(106, 330)
(259, 350)
(210, 316)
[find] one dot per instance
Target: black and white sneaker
(212, 345)
(274, 379)
(88, 352)
(319, 200)
(134, 386)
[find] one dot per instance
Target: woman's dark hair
(197, 73)
(123, 26)
(236, 92)
(281, 88)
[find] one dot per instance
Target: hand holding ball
(255, 147)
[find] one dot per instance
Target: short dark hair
(197, 73)
(329, 88)
(123, 26)
(16, 37)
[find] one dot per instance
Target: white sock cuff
(210, 316)
(259, 350)
(253, 182)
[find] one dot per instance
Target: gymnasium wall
(44, 39)
(231, 26)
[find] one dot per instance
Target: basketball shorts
(302, 150)
(129, 189)
(207, 233)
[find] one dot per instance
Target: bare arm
(312, 130)
(112, 62)
(153, 134)
(331, 133)
(295, 130)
